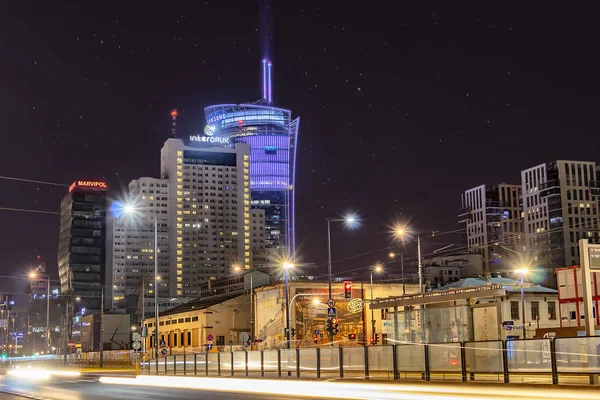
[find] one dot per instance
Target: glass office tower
(272, 135)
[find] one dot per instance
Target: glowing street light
(376, 268)
(34, 275)
(131, 210)
(523, 271)
(316, 302)
(286, 268)
(350, 220)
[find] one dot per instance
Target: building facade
(224, 319)
(272, 135)
(493, 222)
(445, 269)
(133, 255)
(570, 296)
(82, 243)
(559, 209)
(209, 213)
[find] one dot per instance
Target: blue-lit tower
(273, 136)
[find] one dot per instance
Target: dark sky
(402, 104)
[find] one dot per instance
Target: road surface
(179, 388)
(89, 388)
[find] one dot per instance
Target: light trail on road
(353, 390)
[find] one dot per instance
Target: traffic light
(352, 336)
(293, 332)
(316, 339)
(372, 340)
(145, 331)
(347, 289)
(328, 324)
(376, 338)
(334, 326)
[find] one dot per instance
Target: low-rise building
(116, 328)
(224, 319)
(541, 309)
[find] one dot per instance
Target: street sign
(209, 337)
(71, 344)
(331, 312)
(163, 352)
(330, 303)
(163, 344)
(136, 345)
(316, 332)
(209, 347)
(135, 336)
(594, 258)
(505, 323)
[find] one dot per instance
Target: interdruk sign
(208, 139)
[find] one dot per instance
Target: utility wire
(11, 178)
(27, 210)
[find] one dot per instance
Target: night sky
(403, 105)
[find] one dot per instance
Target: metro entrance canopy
(442, 296)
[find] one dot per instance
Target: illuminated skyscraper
(272, 135)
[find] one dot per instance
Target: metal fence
(461, 361)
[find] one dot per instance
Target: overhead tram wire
(27, 210)
(463, 247)
(12, 178)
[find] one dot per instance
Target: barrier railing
(530, 360)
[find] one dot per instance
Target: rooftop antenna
(174, 116)
(264, 79)
(270, 84)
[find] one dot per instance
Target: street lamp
(401, 232)
(34, 275)
(286, 268)
(376, 268)
(392, 255)
(523, 271)
(131, 210)
(349, 220)
(238, 269)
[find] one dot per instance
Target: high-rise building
(82, 243)
(559, 209)
(209, 212)
(493, 222)
(272, 135)
(133, 244)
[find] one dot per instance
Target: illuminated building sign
(216, 118)
(208, 139)
(88, 184)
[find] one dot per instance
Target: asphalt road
(89, 388)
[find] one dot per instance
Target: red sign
(88, 184)
(71, 344)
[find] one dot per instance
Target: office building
(209, 212)
(493, 224)
(82, 243)
(133, 244)
(559, 209)
(272, 135)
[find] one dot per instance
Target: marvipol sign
(88, 184)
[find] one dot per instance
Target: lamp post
(377, 268)
(237, 268)
(523, 271)
(392, 255)
(349, 220)
(129, 209)
(286, 268)
(47, 332)
(399, 232)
